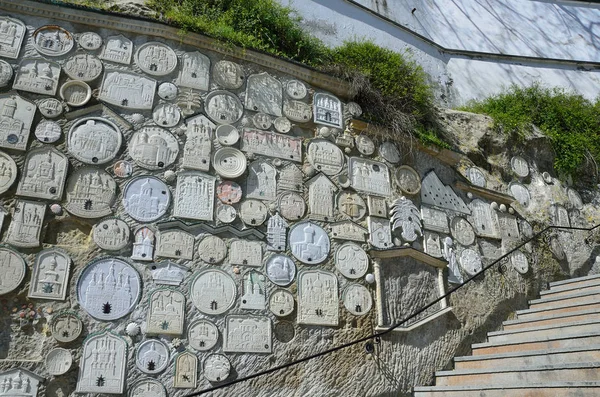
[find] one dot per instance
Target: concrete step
(591, 315)
(559, 341)
(575, 281)
(531, 358)
(594, 284)
(562, 301)
(562, 389)
(543, 312)
(576, 372)
(544, 332)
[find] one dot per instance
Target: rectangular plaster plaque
(16, 117)
(26, 225)
(290, 178)
(377, 206)
(509, 228)
(435, 220)
(195, 196)
(247, 334)
(380, 232)
(369, 176)
(318, 301)
(195, 71)
(103, 365)
(166, 313)
(50, 276)
(348, 230)
(186, 371)
(19, 382)
(11, 37)
(44, 174)
(484, 219)
(175, 244)
(328, 110)
(272, 145)
(261, 181)
(321, 198)
(198, 144)
(264, 93)
(127, 90)
(246, 253)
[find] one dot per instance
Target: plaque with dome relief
(309, 243)
(146, 198)
(37, 76)
(111, 234)
(213, 291)
(153, 148)
(90, 193)
(94, 140)
(16, 117)
(44, 174)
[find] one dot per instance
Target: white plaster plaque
(351, 260)
(175, 244)
(519, 166)
(152, 356)
(108, 288)
(203, 335)
(432, 244)
(223, 107)
(48, 131)
(369, 176)
(348, 230)
(166, 313)
(328, 110)
(38, 76)
(325, 156)
(559, 215)
(390, 153)
(264, 94)
(262, 121)
(50, 275)
(352, 205)
(290, 178)
(462, 230)
(111, 234)
(247, 334)
(186, 371)
(189, 101)
(66, 327)
(94, 140)
(44, 174)
(470, 261)
(103, 364)
(435, 193)
(272, 145)
(229, 192)
(167, 91)
(90, 193)
(6, 73)
(291, 206)
(253, 289)
(281, 302)
(147, 388)
(261, 182)
(380, 233)
(216, 368)
(166, 115)
(198, 144)
(227, 135)
(454, 275)
(58, 361)
(484, 219)
(229, 162)
(156, 59)
(574, 198)
(281, 270)
(357, 299)
(19, 382)
(12, 267)
(282, 124)
(476, 177)
(90, 41)
(16, 117)
(321, 200)
(26, 225)
(519, 262)
(246, 253)
(127, 90)
(253, 212)
(12, 33)
(194, 196)
(296, 89)
(8, 172)
(226, 213)
(213, 291)
(75, 93)
(365, 145)
(212, 249)
(408, 180)
(309, 243)
(377, 206)
(52, 40)
(520, 193)
(405, 216)
(318, 302)
(277, 233)
(50, 107)
(508, 226)
(146, 198)
(228, 74)
(169, 273)
(153, 148)
(195, 71)
(143, 244)
(297, 111)
(84, 67)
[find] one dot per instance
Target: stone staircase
(552, 349)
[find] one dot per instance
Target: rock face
(212, 218)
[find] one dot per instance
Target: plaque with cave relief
(156, 59)
(309, 243)
(281, 303)
(143, 244)
(484, 219)
(152, 356)
(66, 327)
(166, 115)
(272, 145)
(203, 335)
(169, 273)
(253, 212)
(186, 371)
(264, 94)
(51, 108)
(13, 267)
(90, 193)
(127, 90)
(380, 232)
(52, 40)
(38, 76)
(291, 206)
(351, 261)
(194, 196)
(261, 181)
(103, 364)
(434, 220)
(50, 275)
(195, 71)
(290, 178)
(470, 261)
(297, 111)
(213, 291)
(16, 117)
(166, 314)
(229, 192)
(188, 101)
(153, 148)
(253, 291)
(357, 299)
(94, 140)
(175, 244)
(348, 230)
(519, 166)
(12, 33)
(508, 226)
(520, 193)
(247, 334)
(408, 180)
(6, 73)
(117, 49)
(44, 174)
(25, 227)
(48, 131)
(223, 107)
(228, 74)
(198, 144)
(328, 110)
(147, 388)
(19, 382)
(212, 249)
(318, 302)
(435, 193)
(90, 41)
(321, 201)
(146, 198)
(432, 244)
(245, 253)
(8, 172)
(84, 67)
(352, 205)
(277, 233)
(462, 231)
(377, 206)
(325, 156)
(369, 176)
(216, 368)
(108, 288)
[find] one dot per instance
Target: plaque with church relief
(484, 219)
(261, 182)
(357, 299)
(90, 193)
(318, 302)
(247, 334)
(325, 156)
(226, 213)
(309, 243)
(143, 244)
(281, 270)
(84, 67)
(66, 327)
(369, 176)
(253, 291)
(94, 140)
(8, 172)
(216, 368)
(6, 73)
(153, 148)
(435, 220)
(195, 71)
(186, 371)
(156, 59)
(213, 291)
(38, 76)
(127, 90)
(253, 212)
(462, 231)
(272, 145)
(51, 108)
(408, 180)
(377, 206)
(198, 144)
(559, 216)
(103, 373)
(223, 107)
(52, 40)
(146, 198)
(48, 131)
(12, 33)
(75, 93)
(432, 244)
(435, 193)
(321, 201)
(290, 178)
(264, 93)
(203, 335)
(58, 361)
(50, 275)
(380, 232)
(228, 74)
(520, 193)
(175, 244)
(348, 230)
(277, 233)
(16, 117)
(352, 205)
(296, 89)
(166, 115)
(351, 260)
(90, 41)
(212, 249)
(328, 110)
(167, 91)
(245, 253)
(13, 268)
(476, 176)
(291, 206)
(25, 227)
(282, 124)
(519, 262)
(166, 313)
(365, 145)
(508, 226)
(297, 111)
(147, 388)
(194, 196)
(281, 302)
(152, 356)
(169, 273)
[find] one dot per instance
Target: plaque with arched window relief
(143, 244)
(153, 148)
(156, 59)
(247, 334)
(166, 313)
(127, 90)
(186, 371)
(12, 34)
(357, 299)
(253, 291)
(318, 302)
(291, 206)
(203, 335)
(103, 373)
(484, 219)
(50, 275)
(16, 117)
(198, 143)
(146, 198)
(12, 267)
(351, 260)
(328, 110)
(44, 174)
(38, 76)
(94, 140)
(213, 291)
(152, 356)
(90, 193)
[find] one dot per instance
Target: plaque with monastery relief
(264, 93)
(198, 144)
(16, 117)
(127, 90)
(282, 124)
(108, 288)
(6, 73)
(117, 49)
(262, 121)
(408, 180)
(369, 176)
(296, 89)
(261, 181)
(58, 361)
(147, 388)
(52, 40)
(291, 206)
(90, 41)
(357, 299)
(462, 231)
(318, 302)
(247, 334)
(519, 262)
(281, 270)
(228, 74)
(94, 140)
(277, 233)
(111, 234)
(152, 356)
(44, 174)
(48, 131)
(195, 71)
(351, 260)
(103, 364)
(50, 275)
(175, 244)
(281, 303)
(508, 226)
(253, 212)
(476, 176)
(37, 76)
(90, 193)
(297, 111)
(223, 107)
(12, 33)
(203, 335)
(213, 291)
(146, 198)
(325, 156)
(84, 67)
(272, 145)
(13, 267)
(245, 253)
(226, 213)
(156, 59)
(169, 273)
(432, 244)
(434, 220)
(166, 313)
(186, 371)
(484, 219)
(328, 110)
(66, 327)
(51, 108)
(167, 91)
(290, 178)
(321, 201)
(520, 193)
(348, 230)
(194, 196)
(212, 249)
(25, 227)
(253, 291)
(8, 172)
(153, 148)
(365, 145)
(216, 368)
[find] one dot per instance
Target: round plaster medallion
(351, 260)
(390, 153)
(6, 73)
(229, 192)
(229, 162)
(281, 270)
(167, 91)
(12, 268)
(365, 145)
(309, 243)
(203, 335)
(48, 131)
(470, 261)
(296, 89)
(123, 169)
(291, 206)
(519, 262)
(8, 172)
(111, 234)
(462, 231)
(226, 213)
(212, 249)
(52, 40)
(325, 156)
(223, 107)
(519, 166)
(91, 193)
(227, 135)
(156, 59)
(547, 178)
(66, 327)
(166, 115)
(213, 291)
(253, 212)
(58, 361)
(108, 288)
(351, 205)
(520, 193)
(357, 299)
(476, 176)
(146, 198)
(354, 109)
(84, 67)
(408, 180)
(228, 74)
(281, 302)
(90, 41)
(153, 148)
(282, 124)
(152, 356)
(147, 388)
(284, 331)
(262, 121)
(216, 368)
(76, 93)
(50, 107)
(94, 140)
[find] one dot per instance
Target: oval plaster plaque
(166, 115)
(52, 40)
(470, 261)
(228, 74)
(6, 73)
(146, 198)
(94, 140)
(229, 192)
(12, 268)
(253, 212)
(281, 270)
(153, 148)
(8, 172)
(50, 107)
(281, 302)
(519, 166)
(357, 299)
(408, 180)
(223, 107)
(212, 249)
(216, 368)
(84, 67)
(462, 231)
(227, 134)
(213, 291)
(66, 327)
(351, 260)
(156, 59)
(48, 131)
(76, 93)
(152, 356)
(325, 156)
(58, 361)
(90, 41)
(389, 152)
(111, 234)
(147, 388)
